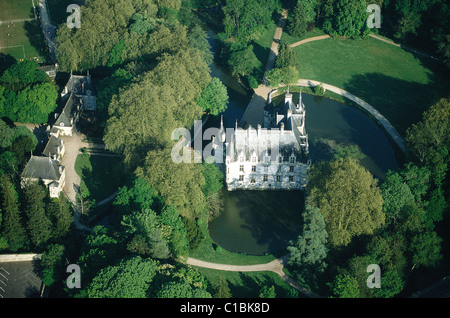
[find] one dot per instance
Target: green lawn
(21, 39)
(399, 84)
(100, 176)
(16, 9)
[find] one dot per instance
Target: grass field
(399, 84)
(20, 33)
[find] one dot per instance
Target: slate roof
(42, 168)
(52, 146)
(291, 139)
(68, 112)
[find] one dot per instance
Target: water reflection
(258, 222)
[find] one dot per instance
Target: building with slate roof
(275, 156)
(46, 170)
(81, 86)
(66, 121)
(54, 148)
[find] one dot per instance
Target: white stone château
(275, 156)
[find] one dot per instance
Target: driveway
(73, 144)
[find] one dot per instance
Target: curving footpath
(275, 266)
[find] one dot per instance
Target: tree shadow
(34, 34)
(401, 102)
(103, 178)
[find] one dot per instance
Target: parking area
(19, 280)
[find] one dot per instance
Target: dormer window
(241, 158)
(292, 159)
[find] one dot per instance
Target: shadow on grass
(101, 175)
(34, 34)
(401, 102)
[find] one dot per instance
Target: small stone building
(46, 170)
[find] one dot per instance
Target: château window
(253, 159)
(241, 158)
(291, 168)
(291, 178)
(253, 181)
(253, 168)
(291, 159)
(278, 178)
(280, 159)
(266, 168)
(241, 168)
(266, 178)
(241, 177)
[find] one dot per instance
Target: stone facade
(275, 156)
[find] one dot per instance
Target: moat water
(260, 222)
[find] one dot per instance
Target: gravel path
(275, 266)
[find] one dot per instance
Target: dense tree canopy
(348, 198)
(26, 93)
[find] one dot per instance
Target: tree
(298, 21)
(344, 286)
(221, 289)
(274, 77)
(198, 39)
(244, 19)
(426, 249)
(180, 185)
(351, 151)
(100, 249)
(142, 227)
(243, 61)
(39, 225)
(145, 113)
(7, 135)
(137, 195)
(348, 198)
(213, 179)
(267, 292)
(115, 56)
(61, 216)
(22, 74)
(444, 49)
(396, 194)
(435, 208)
(308, 252)
(286, 57)
(12, 229)
(174, 231)
(214, 98)
(349, 18)
(51, 261)
(181, 289)
(130, 278)
(391, 284)
(432, 131)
